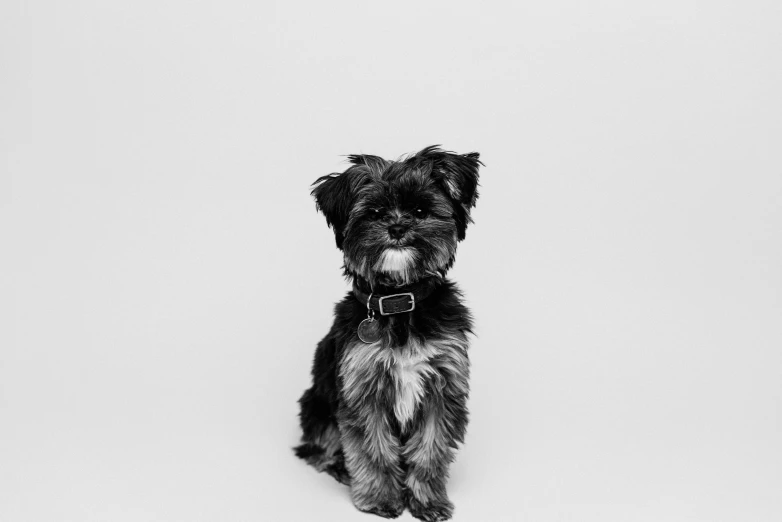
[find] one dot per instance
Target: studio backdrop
(165, 276)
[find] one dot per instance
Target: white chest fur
(365, 367)
(409, 371)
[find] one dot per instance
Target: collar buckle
(396, 306)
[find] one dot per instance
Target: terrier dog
(388, 403)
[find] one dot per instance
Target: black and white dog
(387, 406)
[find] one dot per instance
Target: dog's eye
(419, 212)
(375, 213)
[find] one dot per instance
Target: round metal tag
(369, 331)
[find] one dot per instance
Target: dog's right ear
(334, 196)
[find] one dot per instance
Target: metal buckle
(383, 312)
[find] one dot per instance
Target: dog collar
(395, 303)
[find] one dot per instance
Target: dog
(388, 402)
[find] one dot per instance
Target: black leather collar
(402, 300)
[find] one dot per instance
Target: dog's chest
(409, 374)
(402, 373)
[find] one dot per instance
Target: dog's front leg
(429, 453)
(430, 449)
(372, 459)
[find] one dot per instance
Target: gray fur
(417, 380)
(386, 417)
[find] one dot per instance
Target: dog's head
(399, 221)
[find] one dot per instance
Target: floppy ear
(458, 175)
(334, 196)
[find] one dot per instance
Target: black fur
(386, 416)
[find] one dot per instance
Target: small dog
(388, 403)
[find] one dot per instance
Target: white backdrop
(164, 276)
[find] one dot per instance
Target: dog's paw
(383, 509)
(309, 452)
(431, 512)
(339, 472)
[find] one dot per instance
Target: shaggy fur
(385, 417)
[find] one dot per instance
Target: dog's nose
(397, 231)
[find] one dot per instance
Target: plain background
(164, 276)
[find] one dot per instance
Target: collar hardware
(402, 302)
(395, 304)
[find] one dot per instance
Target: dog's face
(397, 222)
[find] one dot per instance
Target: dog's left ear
(458, 174)
(334, 196)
